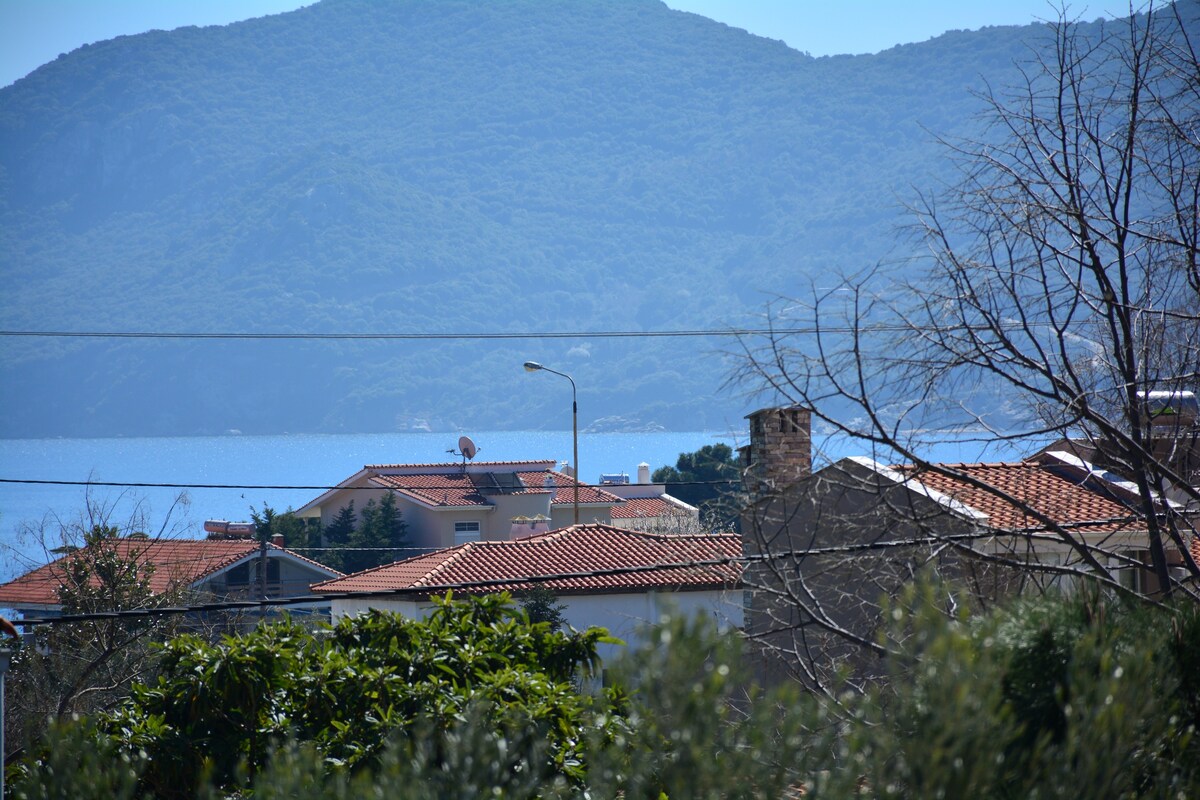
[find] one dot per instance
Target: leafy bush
(1080, 696)
(220, 710)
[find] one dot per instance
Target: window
(466, 532)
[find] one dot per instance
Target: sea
(223, 477)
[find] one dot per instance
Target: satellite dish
(467, 447)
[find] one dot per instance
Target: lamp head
(532, 366)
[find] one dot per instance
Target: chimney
(780, 449)
(277, 539)
(643, 472)
(524, 527)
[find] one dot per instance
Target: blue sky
(33, 32)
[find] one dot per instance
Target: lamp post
(533, 366)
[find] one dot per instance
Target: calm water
(292, 460)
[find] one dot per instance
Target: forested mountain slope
(515, 166)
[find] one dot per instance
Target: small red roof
(1031, 484)
(454, 465)
(458, 489)
(653, 562)
(638, 507)
(177, 563)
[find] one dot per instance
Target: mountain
(454, 167)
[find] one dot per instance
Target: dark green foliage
(338, 534)
(1056, 697)
(710, 479)
(378, 536)
(692, 728)
(298, 533)
(541, 605)
(381, 526)
(74, 761)
(219, 710)
(431, 167)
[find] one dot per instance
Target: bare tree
(94, 567)
(1057, 285)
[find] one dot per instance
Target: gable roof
(458, 490)
(1068, 501)
(177, 563)
(639, 507)
(450, 485)
(592, 558)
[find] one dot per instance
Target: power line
(489, 335)
(494, 583)
(447, 487)
(499, 584)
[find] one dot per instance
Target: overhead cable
(486, 335)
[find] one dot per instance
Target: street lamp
(533, 366)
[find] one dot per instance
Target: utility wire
(499, 584)
(490, 335)
(447, 487)
(494, 583)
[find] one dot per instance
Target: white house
(601, 575)
(647, 506)
(450, 504)
(214, 569)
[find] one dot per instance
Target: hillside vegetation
(466, 167)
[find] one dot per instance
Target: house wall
(624, 615)
(562, 515)
(434, 529)
(514, 505)
(360, 496)
(294, 579)
(827, 575)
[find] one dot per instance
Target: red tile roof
(455, 464)
(438, 490)
(622, 560)
(565, 488)
(1037, 486)
(456, 488)
(637, 507)
(177, 563)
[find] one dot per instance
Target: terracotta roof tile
(565, 491)
(638, 507)
(578, 549)
(455, 464)
(457, 488)
(177, 563)
(1034, 485)
(453, 489)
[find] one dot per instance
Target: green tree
(380, 527)
(710, 479)
(83, 667)
(338, 534)
(298, 533)
(371, 679)
(1078, 696)
(541, 605)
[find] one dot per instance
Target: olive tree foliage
(1054, 284)
(218, 710)
(88, 666)
(1084, 696)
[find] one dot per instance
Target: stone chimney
(780, 449)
